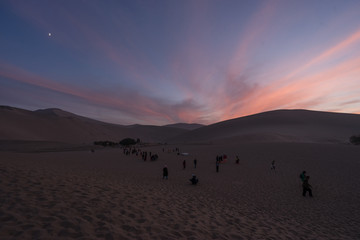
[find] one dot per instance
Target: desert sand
(52, 186)
(108, 195)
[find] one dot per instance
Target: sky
(190, 61)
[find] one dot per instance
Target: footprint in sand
(141, 220)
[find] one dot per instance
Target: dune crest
(56, 125)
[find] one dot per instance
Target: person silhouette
(272, 165)
(194, 180)
(307, 187)
(165, 172)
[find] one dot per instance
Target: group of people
(194, 180)
(174, 150)
(184, 163)
(304, 179)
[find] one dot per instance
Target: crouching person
(194, 180)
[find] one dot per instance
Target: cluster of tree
(124, 142)
(355, 139)
(106, 143)
(129, 141)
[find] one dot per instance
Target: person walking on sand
(165, 172)
(184, 164)
(195, 162)
(272, 165)
(217, 166)
(307, 187)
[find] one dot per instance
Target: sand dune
(190, 126)
(280, 126)
(60, 126)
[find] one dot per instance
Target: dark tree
(355, 139)
(128, 142)
(105, 143)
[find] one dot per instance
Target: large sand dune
(57, 125)
(280, 126)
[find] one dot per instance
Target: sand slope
(188, 126)
(107, 195)
(61, 126)
(279, 125)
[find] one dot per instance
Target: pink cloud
(259, 22)
(297, 89)
(305, 92)
(329, 53)
(236, 85)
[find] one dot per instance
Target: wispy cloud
(303, 92)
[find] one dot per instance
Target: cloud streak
(304, 92)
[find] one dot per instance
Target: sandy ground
(107, 195)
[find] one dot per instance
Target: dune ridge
(59, 126)
(278, 125)
(56, 125)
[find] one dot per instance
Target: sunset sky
(163, 62)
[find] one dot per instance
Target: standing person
(165, 172)
(184, 164)
(195, 162)
(237, 160)
(217, 166)
(307, 187)
(272, 165)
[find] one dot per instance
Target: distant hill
(187, 126)
(62, 126)
(279, 125)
